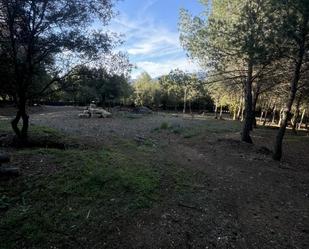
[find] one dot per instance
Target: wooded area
(91, 157)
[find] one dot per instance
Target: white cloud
(156, 69)
(144, 38)
(151, 46)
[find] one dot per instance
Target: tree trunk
(221, 111)
(239, 109)
(216, 111)
(245, 135)
(255, 98)
(262, 115)
(274, 115)
(301, 119)
(235, 113)
(280, 117)
(185, 101)
(22, 134)
(265, 117)
(296, 116)
(292, 93)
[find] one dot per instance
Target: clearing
(153, 181)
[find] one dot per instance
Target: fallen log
(9, 172)
(4, 159)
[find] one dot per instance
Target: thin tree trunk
(265, 117)
(274, 114)
(185, 101)
(293, 90)
(239, 108)
(280, 117)
(235, 113)
(262, 115)
(301, 119)
(239, 111)
(216, 111)
(254, 102)
(22, 134)
(296, 116)
(221, 111)
(242, 113)
(245, 136)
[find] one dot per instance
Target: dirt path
(236, 201)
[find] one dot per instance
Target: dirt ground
(233, 194)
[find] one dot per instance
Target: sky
(150, 29)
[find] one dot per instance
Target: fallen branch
(9, 172)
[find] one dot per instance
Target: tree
(95, 84)
(48, 36)
(185, 84)
(236, 41)
(146, 91)
(294, 16)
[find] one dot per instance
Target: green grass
(209, 126)
(90, 187)
(5, 126)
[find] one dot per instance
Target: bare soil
(233, 195)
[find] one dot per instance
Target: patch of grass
(44, 131)
(182, 179)
(222, 126)
(164, 126)
(213, 126)
(296, 138)
(174, 128)
(5, 126)
(93, 186)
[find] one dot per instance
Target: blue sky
(151, 34)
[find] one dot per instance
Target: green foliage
(95, 84)
(146, 91)
(164, 126)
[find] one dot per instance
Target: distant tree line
(177, 91)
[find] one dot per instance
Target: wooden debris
(9, 172)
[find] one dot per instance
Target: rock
(101, 113)
(142, 110)
(105, 114)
